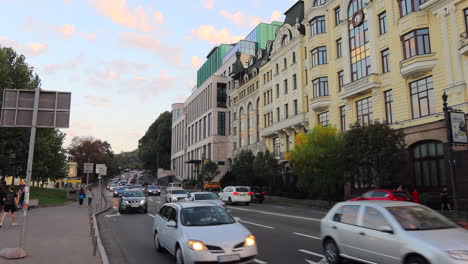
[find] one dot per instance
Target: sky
(125, 61)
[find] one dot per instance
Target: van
(174, 186)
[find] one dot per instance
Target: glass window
(296, 111)
(323, 119)
(320, 86)
(221, 95)
(347, 214)
(285, 63)
(337, 16)
(277, 143)
(389, 106)
(205, 216)
(340, 80)
(339, 52)
(319, 2)
(317, 25)
(249, 123)
(277, 91)
(359, 42)
(383, 22)
(294, 57)
(365, 111)
(278, 117)
(221, 123)
(343, 118)
(422, 97)
(285, 86)
(416, 42)
(419, 218)
(373, 219)
(286, 111)
(385, 61)
(466, 19)
(428, 161)
(294, 82)
(410, 6)
(319, 56)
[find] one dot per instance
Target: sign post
(88, 168)
(101, 169)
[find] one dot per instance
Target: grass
(49, 196)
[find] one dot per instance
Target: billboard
(458, 123)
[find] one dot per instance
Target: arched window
(317, 25)
(249, 123)
(285, 40)
(359, 40)
(428, 160)
(319, 2)
(241, 126)
(410, 6)
(257, 120)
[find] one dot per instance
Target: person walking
(11, 204)
(21, 195)
(2, 197)
(90, 196)
(445, 203)
(81, 196)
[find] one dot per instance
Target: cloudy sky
(125, 61)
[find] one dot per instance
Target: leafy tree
(209, 171)
(242, 167)
(317, 161)
(129, 160)
(265, 169)
(372, 153)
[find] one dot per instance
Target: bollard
(94, 245)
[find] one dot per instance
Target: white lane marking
(279, 207)
(151, 199)
(259, 261)
(112, 215)
(151, 215)
(158, 202)
(276, 214)
(310, 261)
(250, 223)
(304, 235)
(311, 253)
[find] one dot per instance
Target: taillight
(235, 193)
(263, 192)
(250, 193)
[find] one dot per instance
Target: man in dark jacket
(11, 205)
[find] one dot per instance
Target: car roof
(239, 186)
(200, 192)
(382, 203)
(191, 204)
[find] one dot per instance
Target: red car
(386, 195)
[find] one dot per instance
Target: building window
(277, 91)
(416, 43)
(286, 86)
(288, 144)
(428, 160)
(410, 6)
(383, 22)
(365, 111)
(249, 123)
(317, 25)
(343, 118)
(306, 77)
(221, 95)
(389, 106)
(320, 87)
(285, 64)
(278, 117)
(286, 111)
(221, 123)
(359, 42)
(209, 124)
(257, 120)
(296, 110)
(386, 61)
(319, 56)
(337, 16)
(339, 52)
(285, 40)
(422, 97)
(294, 57)
(294, 82)
(319, 2)
(340, 80)
(466, 19)
(307, 103)
(277, 146)
(277, 68)
(323, 119)
(241, 127)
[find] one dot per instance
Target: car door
(160, 223)
(172, 232)
(224, 194)
(377, 242)
(345, 223)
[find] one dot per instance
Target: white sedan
(191, 231)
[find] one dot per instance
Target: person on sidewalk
(21, 195)
(11, 203)
(90, 196)
(445, 203)
(81, 196)
(2, 197)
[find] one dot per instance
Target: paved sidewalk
(54, 235)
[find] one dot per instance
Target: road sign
(18, 107)
(88, 167)
(101, 169)
(74, 181)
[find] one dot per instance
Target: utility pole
(87, 176)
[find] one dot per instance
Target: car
(140, 187)
(236, 194)
(133, 199)
(153, 190)
(113, 186)
(391, 232)
(119, 191)
(381, 194)
(206, 197)
(257, 193)
(176, 195)
(191, 231)
(173, 186)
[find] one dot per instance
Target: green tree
(129, 160)
(209, 171)
(242, 167)
(265, 169)
(317, 161)
(372, 153)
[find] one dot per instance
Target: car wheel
(332, 253)
(416, 260)
(230, 201)
(157, 245)
(179, 256)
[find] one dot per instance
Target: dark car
(133, 199)
(385, 195)
(119, 191)
(153, 190)
(257, 194)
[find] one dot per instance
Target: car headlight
(249, 241)
(458, 254)
(196, 245)
(125, 202)
(142, 201)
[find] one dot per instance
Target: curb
(102, 250)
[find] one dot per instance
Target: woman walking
(81, 196)
(90, 196)
(445, 199)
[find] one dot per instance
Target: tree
(129, 160)
(265, 169)
(242, 167)
(209, 171)
(372, 153)
(317, 161)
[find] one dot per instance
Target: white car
(173, 186)
(236, 194)
(176, 196)
(200, 233)
(391, 232)
(207, 197)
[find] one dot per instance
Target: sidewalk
(54, 235)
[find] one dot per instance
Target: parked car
(235, 194)
(386, 195)
(173, 186)
(391, 232)
(113, 186)
(176, 196)
(153, 190)
(257, 194)
(133, 199)
(191, 232)
(208, 197)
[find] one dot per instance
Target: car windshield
(137, 186)
(413, 218)
(205, 216)
(242, 189)
(153, 187)
(206, 196)
(178, 192)
(133, 193)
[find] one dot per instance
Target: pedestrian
(415, 196)
(90, 196)
(63, 185)
(57, 185)
(445, 203)
(11, 204)
(2, 197)
(22, 195)
(81, 196)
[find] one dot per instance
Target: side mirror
(171, 224)
(386, 229)
(237, 219)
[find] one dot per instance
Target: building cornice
(435, 6)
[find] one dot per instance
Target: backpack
(10, 199)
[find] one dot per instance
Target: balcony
(319, 104)
(417, 66)
(292, 121)
(361, 86)
(464, 44)
(412, 21)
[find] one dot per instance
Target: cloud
(208, 4)
(81, 125)
(66, 30)
(196, 62)
(241, 19)
(179, 99)
(98, 101)
(29, 49)
(211, 34)
(114, 70)
(145, 89)
(276, 15)
(69, 65)
(36, 49)
(158, 17)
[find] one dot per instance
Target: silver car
(176, 195)
(207, 197)
(389, 232)
(201, 233)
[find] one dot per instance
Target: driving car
(153, 190)
(191, 232)
(119, 191)
(206, 197)
(173, 186)
(235, 194)
(257, 194)
(133, 199)
(139, 187)
(113, 186)
(391, 232)
(176, 195)
(381, 194)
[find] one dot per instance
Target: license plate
(242, 194)
(135, 205)
(228, 258)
